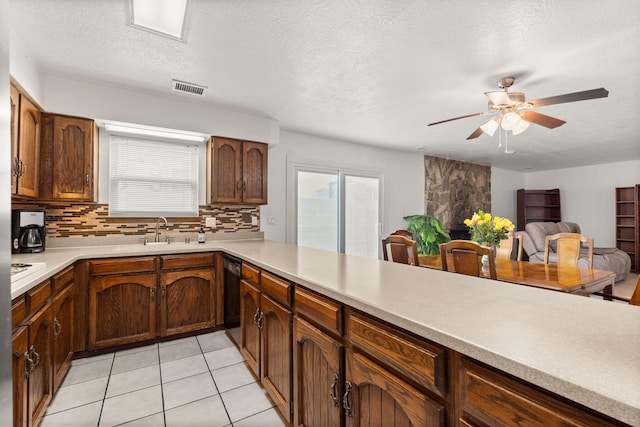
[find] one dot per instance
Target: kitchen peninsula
(585, 350)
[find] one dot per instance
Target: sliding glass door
(337, 210)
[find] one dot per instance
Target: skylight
(166, 17)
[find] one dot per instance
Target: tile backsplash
(90, 220)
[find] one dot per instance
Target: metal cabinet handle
(244, 187)
(87, 179)
(16, 167)
(163, 292)
(346, 401)
(28, 365)
(255, 316)
(153, 294)
(57, 328)
(23, 168)
(33, 352)
(260, 318)
(333, 392)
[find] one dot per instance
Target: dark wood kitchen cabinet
(68, 158)
(21, 368)
(25, 145)
(187, 293)
(63, 326)
(141, 298)
(236, 171)
(489, 397)
(122, 301)
(40, 383)
(266, 336)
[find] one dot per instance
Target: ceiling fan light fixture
(490, 127)
(510, 121)
(522, 126)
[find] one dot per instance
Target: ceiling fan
(513, 113)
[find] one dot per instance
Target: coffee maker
(27, 231)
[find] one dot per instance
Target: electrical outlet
(254, 220)
(210, 221)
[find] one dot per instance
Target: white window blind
(152, 178)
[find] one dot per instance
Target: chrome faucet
(161, 218)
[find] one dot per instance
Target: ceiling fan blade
(476, 133)
(571, 97)
(542, 119)
(455, 118)
(499, 97)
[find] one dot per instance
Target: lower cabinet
(187, 301)
(40, 383)
(141, 298)
(317, 369)
(374, 396)
(21, 368)
(489, 397)
(63, 305)
(122, 309)
(266, 334)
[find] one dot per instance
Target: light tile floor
(195, 381)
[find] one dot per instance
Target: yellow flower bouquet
(488, 230)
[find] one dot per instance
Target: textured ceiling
(375, 71)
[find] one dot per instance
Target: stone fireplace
(454, 190)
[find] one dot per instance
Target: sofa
(609, 259)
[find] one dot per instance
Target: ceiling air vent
(190, 88)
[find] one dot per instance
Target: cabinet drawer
(492, 398)
(122, 265)
(319, 310)
(62, 280)
(416, 359)
(186, 261)
(277, 288)
(251, 274)
(38, 296)
(18, 311)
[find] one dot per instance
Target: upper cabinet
(68, 158)
(237, 171)
(25, 142)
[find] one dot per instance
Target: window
(337, 211)
(152, 178)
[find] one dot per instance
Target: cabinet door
(249, 332)
(72, 175)
(21, 367)
(375, 397)
(187, 301)
(62, 334)
(317, 369)
(40, 378)
(15, 121)
(122, 309)
(28, 148)
(276, 327)
(254, 173)
(225, 172)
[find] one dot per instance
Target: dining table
(574, 280)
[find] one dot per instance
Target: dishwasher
(232, 275)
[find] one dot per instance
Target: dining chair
(466, 256)
(505, 250)
(405, 233)
(568, 248)
(400, 249)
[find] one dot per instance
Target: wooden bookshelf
(538, 206)
(628, 223)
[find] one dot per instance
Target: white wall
(403, 177)
(74, 97)
(504, 184)
(24, 71)
(587, 195)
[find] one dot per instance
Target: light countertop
(585, 349)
